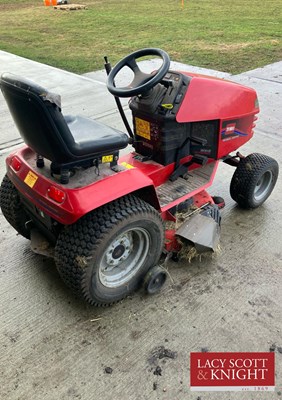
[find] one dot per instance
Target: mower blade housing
(203, 231)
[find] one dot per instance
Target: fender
(79, 201)
(84, 200)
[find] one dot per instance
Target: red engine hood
(209, 98)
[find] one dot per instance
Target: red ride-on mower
(106, 220)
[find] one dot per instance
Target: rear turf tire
(105, 255)
(254, 180)
(12, 208)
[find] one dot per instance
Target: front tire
(254, 180)
(105, 255)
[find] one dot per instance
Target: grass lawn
(229, 35)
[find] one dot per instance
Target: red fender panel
(93, 196)
(77, 201)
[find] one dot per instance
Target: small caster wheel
(155, 279)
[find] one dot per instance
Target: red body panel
(80, 201)
(240, 132)
(234, 105)
(210, 98)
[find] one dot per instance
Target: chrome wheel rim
(123, 258)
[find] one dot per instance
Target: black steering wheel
(141, 82)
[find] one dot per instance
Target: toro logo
(230, 128)
(232, 372)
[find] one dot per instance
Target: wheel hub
(119, 250)
(262, 186)
(124, 257)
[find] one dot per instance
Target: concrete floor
(54, 346)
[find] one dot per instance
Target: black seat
(65, 141)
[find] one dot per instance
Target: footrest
(196, 179)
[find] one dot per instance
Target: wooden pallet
(70, 7)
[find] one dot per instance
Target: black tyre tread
(12, 208)
(246, 175)
(76, 242)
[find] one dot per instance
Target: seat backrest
(38, 117)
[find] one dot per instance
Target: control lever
(182, 169)
(198, 140)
